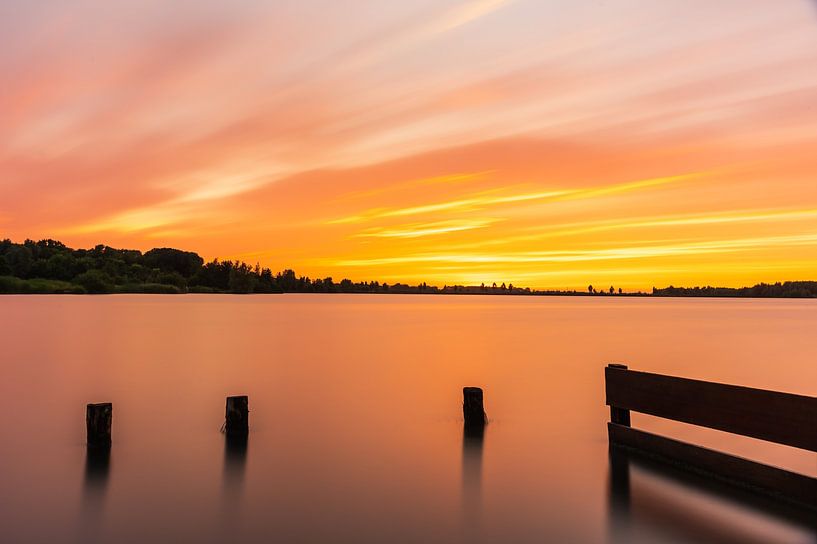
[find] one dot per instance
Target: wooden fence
(782, 418)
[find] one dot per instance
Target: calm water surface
(356, 430)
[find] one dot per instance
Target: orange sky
(547, 144)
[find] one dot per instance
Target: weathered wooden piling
(98, 419)
(620, 416)
(472, 408)
(237, 417)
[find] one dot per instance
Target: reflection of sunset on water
(356, 422)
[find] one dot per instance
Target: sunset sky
(544, 143)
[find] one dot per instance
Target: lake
(356, 420)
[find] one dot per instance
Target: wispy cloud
(416, 30)
(687, 220)
(465, 13)
(636, 252)
(494, 197)
(461, 177)
(417, 230)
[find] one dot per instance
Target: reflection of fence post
(618, 501)
(472, 407)
(619, 415)
(237, 416)
(98, 423)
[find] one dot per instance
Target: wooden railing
(782, 418)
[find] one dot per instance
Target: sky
(550, 144)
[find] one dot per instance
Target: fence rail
(782, 418)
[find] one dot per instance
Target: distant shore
(38, 286)
(50, 267)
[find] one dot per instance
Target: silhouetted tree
(214, 275)
(61, 266)
(19, 260)
(287, 280)
(242, 279)
(167, 259)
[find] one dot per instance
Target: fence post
(472, 408)
(619, 416)
(98, 423)
(237, 416)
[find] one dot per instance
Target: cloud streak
(426, 229)
(635, 252)
(481, 201)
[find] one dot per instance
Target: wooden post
(619, 416)
(472, 407)
(98, 423)
(237, 418)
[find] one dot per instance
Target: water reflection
(95, 485)
(619, 495)
(235, 461)
(473, 437)
(358, 472)
(648, 498)
(97, 469)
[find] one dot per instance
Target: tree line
(49, 266)
(788, 289)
